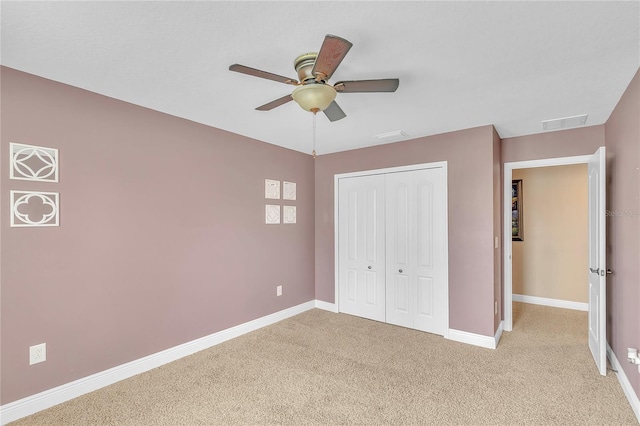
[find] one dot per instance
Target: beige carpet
(320, 368)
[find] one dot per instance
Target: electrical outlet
(37, 353)
(279, 290)
(632, 356)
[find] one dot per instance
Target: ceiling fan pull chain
(314, 136)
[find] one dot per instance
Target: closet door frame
(445, 254)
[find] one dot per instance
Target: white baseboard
(488, 342)
(331, 307)
(40, 401)
(556, 303)
(624, 382)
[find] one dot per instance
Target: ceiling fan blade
(262, 74)
(363, 86)
(332, 52)
(271, 105)
(334, 112)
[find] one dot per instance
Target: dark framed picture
(517, 233)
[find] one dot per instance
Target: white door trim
(506, 230)
(336, 194)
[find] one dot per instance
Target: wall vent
(563, 123)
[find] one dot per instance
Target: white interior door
(597, 259)
(415, 278)
(362, 246)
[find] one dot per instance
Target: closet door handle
(369, 267)
(400, 270)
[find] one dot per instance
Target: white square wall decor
(30, 208)
(289, 214)
(272, 189)
(272, 214)
(30, 162)
(288, 190)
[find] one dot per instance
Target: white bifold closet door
(415, 226)
(392, 238)
(362, 246)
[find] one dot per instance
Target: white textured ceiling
(460, 64)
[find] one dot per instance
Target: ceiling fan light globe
(314, 97)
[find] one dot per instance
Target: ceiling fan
(313, 93)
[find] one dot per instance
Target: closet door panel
(430, 230)
(400, 289)
(415, 228)
(361, 263)
(425, 297)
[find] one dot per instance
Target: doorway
(596, 179)
(507, 230)
(550, 252)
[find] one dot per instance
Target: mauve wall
(563, 143)
(622, 134)
(161, 240)
(471, 228)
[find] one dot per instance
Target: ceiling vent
(564, 123)
(391, 136)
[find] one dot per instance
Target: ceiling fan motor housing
(303, 65)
